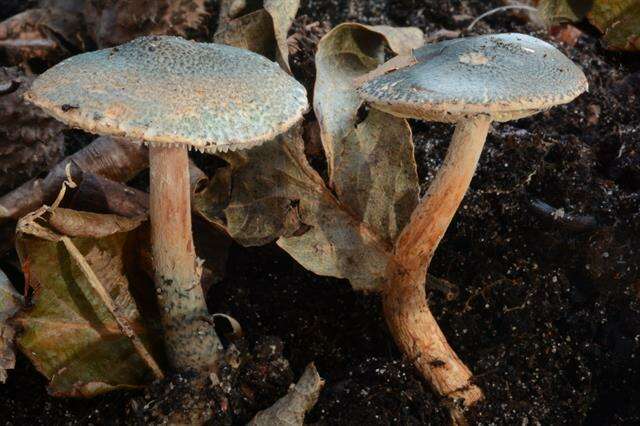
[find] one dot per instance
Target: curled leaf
(347, 52)
(282, 12)
(112, 158)
(10, 303)
(71, 334)
(261, 30)
(375, 174)
(253, 31)
(273, 193)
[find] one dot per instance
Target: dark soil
(545, 250)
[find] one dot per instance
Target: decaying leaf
(260, 193)
(48, 34)
(10, 303)
(282, 12)
(113, 22)
(291, 408)
(82, 344)
(347, 52)
(559, 11)
(262, 30)
(618, 20)
(375, 174)
(271, 192)
(31, 140)
(253, 31)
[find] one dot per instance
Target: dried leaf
(349, 51)
(618, 20)
(48, 34)
(282, 12)
(271, 192)
(70, 334)
(260, 193)
(559, 11)
(375, 174)
(253, 31)
(31, 140)
(263, 31)
(113, 22)
(10, 303)
(291, 408)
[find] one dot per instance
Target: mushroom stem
(191, 342)
(419, 239)
(418, 335)
(412, 324)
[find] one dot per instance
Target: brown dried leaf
(259, 193)
(271, 192)
(113, 22)
(10, 303)
(619, 21)
(282, 12)
(560, 11)
(375, 174)
(263, 31)
(253, 31)
(30, 141)
(347, 52)
(291, 408)
(70, 334)
(48, 34)
(90, 225)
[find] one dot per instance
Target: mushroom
(173, 95)
(470, 82)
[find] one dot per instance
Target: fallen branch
(109, 157)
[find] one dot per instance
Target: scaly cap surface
(167, 90)
(506, 76)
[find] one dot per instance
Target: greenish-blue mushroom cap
(167, 90)
(505, 76)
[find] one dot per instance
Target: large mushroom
(470, 82)
(174, 95)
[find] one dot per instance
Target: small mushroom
(174, 95)
(470, 82)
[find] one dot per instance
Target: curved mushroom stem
(418, 335)
(404, 300)
(191, 342)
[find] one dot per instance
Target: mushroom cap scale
(167, 90)
(506, 76)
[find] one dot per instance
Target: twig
(499, 9)
(567, 220)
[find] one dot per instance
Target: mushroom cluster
(174, 95)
